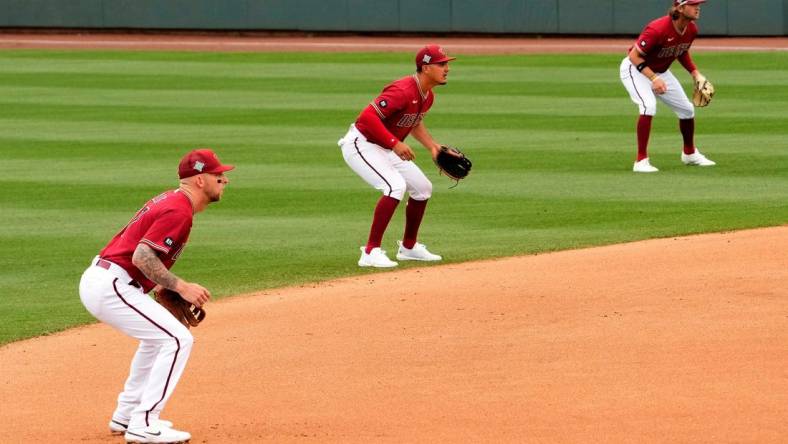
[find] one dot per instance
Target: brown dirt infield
(670, 340)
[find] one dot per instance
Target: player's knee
(422, 190)
(395, 188)
(649, 109)
(686, 112)
(180, 338)
(185, 339)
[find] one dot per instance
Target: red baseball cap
(200, 161)
(688, 2)
(431, 54)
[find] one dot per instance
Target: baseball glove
(704, 91)
(183, 310)
(453, 163)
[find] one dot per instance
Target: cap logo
(426, 58)
(642, 43)
(199, 166)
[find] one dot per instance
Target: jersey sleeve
(167, 230)
(648, 40)
(389, 102)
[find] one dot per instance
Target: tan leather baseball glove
(183, 310)
(703, 93)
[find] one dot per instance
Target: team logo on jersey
(169, 242)
(410, 120)
(199, 165)
(673, 51)
(383, 103)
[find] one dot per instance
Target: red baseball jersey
(660, 44)
(163, 223)
(401, 106)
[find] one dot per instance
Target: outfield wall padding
(597, 17)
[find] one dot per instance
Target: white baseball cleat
(697, 158)
(157, 434)
(119, 427)
(644, 166)
(419, 252)
(376, 258)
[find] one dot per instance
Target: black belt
(106, 264)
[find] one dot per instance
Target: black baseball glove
(453, 163)
(183, 310)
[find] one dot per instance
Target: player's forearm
(638, 60)
(686, 61)
(151, 266)
(372, 128)
(424, 137)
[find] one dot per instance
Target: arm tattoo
(149, 264)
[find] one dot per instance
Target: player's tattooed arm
(146, 259)
(148, 262)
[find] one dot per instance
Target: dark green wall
(604, 17)
(785, 17)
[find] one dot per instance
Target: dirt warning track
(271, 43)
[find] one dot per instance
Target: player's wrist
(179, 286)
(653, 77)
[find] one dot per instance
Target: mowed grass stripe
(765, 63)
(87, 137)
(250, 102)
(273, 100)
(522, 87)
(338, 118)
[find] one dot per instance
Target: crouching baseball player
(137, 260)
(374, 148)
(646, 76)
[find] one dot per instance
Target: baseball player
(137, 260)
(375, 149)
(645, 75)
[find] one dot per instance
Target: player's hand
(450, 152)
(194, 293)
(434, 151)
(404, 152)
(659, 86)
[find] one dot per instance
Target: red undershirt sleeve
(372, 127)
(686, 62)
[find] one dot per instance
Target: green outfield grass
(87, 137)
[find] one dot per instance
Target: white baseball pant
(639, 88)
(165, 343)
(383, 169)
